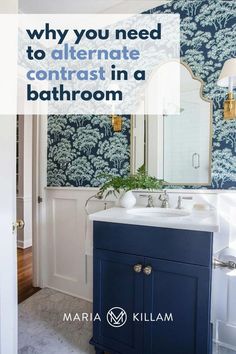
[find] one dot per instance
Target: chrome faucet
(164, 198)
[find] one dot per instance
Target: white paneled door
(8, 279)
(8, 283)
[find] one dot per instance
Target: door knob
(138, 268)
(19, 224)
(147, 270)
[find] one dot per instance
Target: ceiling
(87, 6)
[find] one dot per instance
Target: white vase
(127, 200)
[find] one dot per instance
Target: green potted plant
(137, 181)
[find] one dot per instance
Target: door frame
(39, 184)
(8, 272)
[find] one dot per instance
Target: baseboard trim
(68, 293)
(24, 244)
(224, 345)
(226, 335)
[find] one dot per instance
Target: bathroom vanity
(154, 274)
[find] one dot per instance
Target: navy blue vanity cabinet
(117, 285)
(154, 275)
(181, 290)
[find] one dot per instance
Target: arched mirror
(177, 148)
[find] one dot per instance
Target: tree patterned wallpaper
(81, 148)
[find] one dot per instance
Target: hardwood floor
(25, 287)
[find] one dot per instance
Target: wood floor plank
(25, 286)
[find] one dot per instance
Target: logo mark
(116, 317)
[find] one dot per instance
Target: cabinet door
(116, 284)
(182, 290)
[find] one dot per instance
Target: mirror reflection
(177, 148)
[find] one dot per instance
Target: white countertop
(197, 220)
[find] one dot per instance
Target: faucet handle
(150, 201)
(179, 203)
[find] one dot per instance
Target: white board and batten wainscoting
(69, 265)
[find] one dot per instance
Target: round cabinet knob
(138, 268)
(147, 270)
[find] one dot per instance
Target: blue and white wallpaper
(80, 148)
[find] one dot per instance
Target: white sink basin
(159, 212)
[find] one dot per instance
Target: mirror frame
(144, 117)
